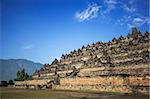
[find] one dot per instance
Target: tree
(21, 75)
(26, 76)
(10, 82)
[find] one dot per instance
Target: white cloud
(128, 9)
(129, 17)
(132, 17)
(138, 20)
(26, 47)
(89, 13)
(110, 4)
(121, 24)
(94, 9)
(130, 21)
(114, 4)
(124, 20)
(130, 26)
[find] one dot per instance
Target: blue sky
(42, 30)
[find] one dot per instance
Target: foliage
(21, 75)
(10, 82)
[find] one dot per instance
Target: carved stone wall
(120, 65)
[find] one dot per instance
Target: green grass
(9, 93)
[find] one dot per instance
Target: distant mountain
(9, 67)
